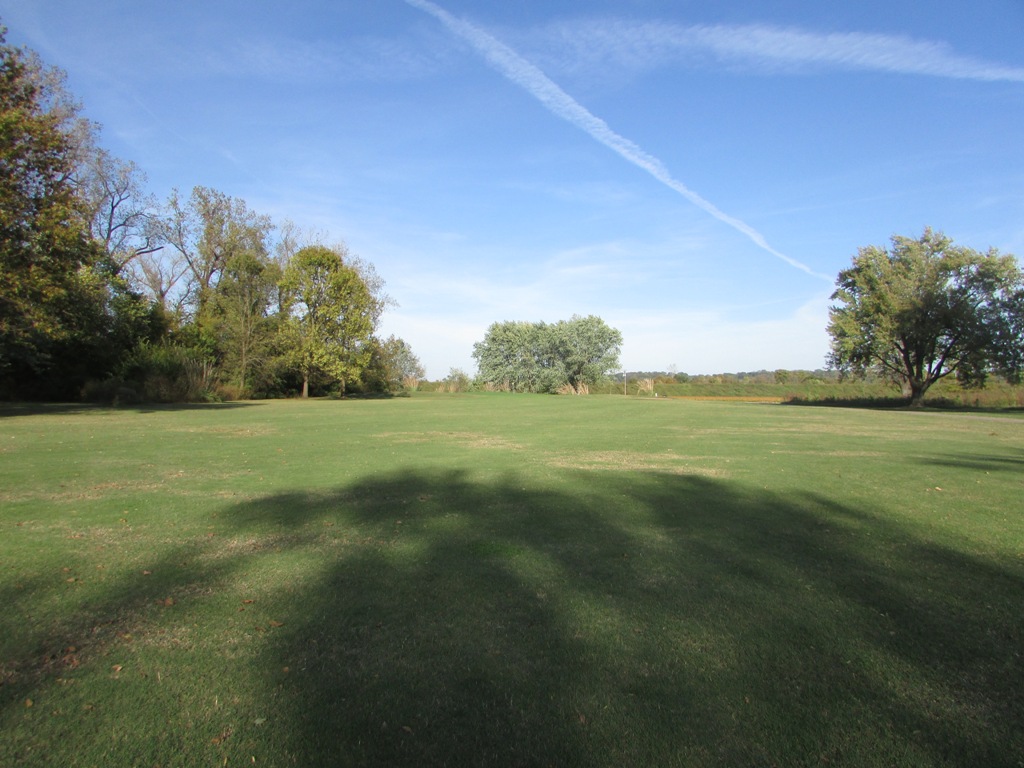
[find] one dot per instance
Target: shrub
(169, 373)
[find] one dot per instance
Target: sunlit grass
(513, 580)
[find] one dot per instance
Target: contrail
(547, 92)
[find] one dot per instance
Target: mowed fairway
(510, 580)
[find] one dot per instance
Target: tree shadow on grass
(930, 405)
(624, 619)
(994, 463)
(649, 620)
(28, 408)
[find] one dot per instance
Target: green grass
(510, 580)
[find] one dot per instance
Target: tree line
(912, 314)
(106, 292)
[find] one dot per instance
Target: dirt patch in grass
(227, 431)
(177, 483)
(631, 461)
(67, 492)
(832, 454)
(462, 439)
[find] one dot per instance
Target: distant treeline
(817, 386)
(779, 376)
(820, 386)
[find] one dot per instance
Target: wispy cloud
(292, 60)
(793, 340)
(558, 102)
(645, 45)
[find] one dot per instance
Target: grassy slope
(510, 580)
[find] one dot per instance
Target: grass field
(510, 580)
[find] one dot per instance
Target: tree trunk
(305, 387)
(241, 386)
(917, 390)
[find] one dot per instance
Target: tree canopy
(104, 290)
(925, 309)
(542, 357)
(333, 314)
(59, 298)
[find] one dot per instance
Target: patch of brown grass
(632, 461)
(731, 398)
(226, 431)
(462, 439)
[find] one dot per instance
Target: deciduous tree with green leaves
(207, 230)
(585, 348)
(392, 367)
(58, 301)
(241, 314)
(925, 309)
(332, 314)
(511, 355)
(543, 357)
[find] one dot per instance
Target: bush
(457, 380)
(168, 373)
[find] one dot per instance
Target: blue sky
(695, 173)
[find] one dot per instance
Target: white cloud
(615, 44)
(292, 60)
(722, 342)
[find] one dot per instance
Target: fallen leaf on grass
(168, 602)
(276, 623)
(116, 668)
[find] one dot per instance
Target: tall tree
(45, 252)
(241, 306)
(206, 230)
(158, 274)
(586, 349)
(512, 355)
(925, 309)
(333, 315)
(121, 216)
(542, 357)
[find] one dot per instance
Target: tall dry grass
(568, 389)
